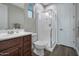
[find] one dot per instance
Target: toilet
(34, 39)
(39, 47)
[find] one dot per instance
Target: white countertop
(9, 36)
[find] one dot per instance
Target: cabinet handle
(3, 54)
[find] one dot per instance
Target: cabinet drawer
(10, 43)
(10, 52)
(27, 38)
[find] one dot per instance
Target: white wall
(30, 24)
(21, 5)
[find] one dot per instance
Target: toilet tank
(34, 37)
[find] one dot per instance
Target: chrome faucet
(10, 32)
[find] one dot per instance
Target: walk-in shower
(49, 15)
(46, 24)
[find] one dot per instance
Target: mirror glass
(11, 16)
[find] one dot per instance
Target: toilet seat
(41, 43)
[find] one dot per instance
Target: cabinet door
(6, 44)
(66, 24)
(27, 46)
(10, 52)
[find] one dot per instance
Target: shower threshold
(51, 49)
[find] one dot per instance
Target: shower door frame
(51, 44)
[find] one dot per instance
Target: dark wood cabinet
(20, 46)
(27, 46)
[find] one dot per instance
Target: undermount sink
(7, 33)
(13, 33)
(16, 31)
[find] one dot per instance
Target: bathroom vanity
(16, 45)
